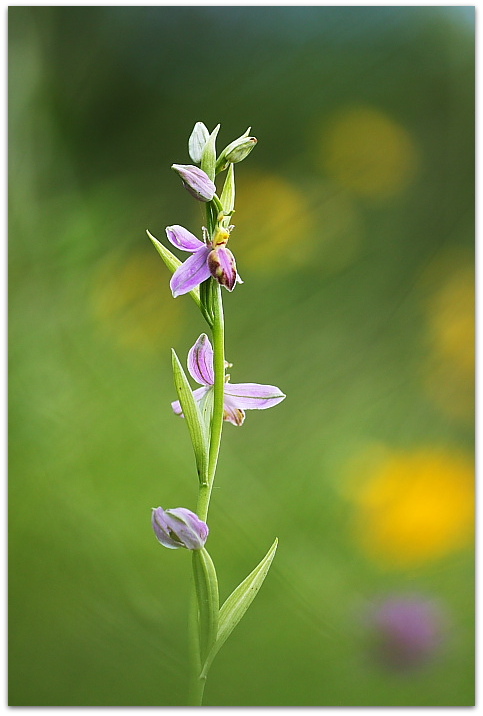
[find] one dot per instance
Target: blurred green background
(355, 240)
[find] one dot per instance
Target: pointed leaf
(172, 264)
(191, 412)
(208, 158)
(238, 602)
(206, 584)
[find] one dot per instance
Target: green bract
(191, 411)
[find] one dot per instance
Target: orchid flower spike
(179, 527)
(238, 397)
(210, 258)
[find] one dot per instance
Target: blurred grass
(357, 302)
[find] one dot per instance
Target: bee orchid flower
(238, 397)
(209, 258)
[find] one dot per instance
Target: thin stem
(197, 684)
(197, 689)
(218, 400)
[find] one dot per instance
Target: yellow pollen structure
(221, 237)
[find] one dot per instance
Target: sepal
(172, 263)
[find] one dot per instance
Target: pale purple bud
(196, 181)
(179, 527)
(221, 263)
(407, 631)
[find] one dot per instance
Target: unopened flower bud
(179, 527)
(236, 152)
(196, 143)
(196, 181)
(221, 263)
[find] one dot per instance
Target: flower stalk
(207, 616)
(210, 267)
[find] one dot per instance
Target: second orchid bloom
(238, 397)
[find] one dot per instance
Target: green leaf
(206, 585)
(208, 158)
(172, 264)
(237, 604)
(191, 412)
(227, 197)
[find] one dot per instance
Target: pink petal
(198, 394)
(183, 239)
(253, 396)
(200, 361)
(191, 273)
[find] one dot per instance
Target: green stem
(197, 684)
(197, 689)
(218, 400)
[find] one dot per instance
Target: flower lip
(183, 239)
(222, 266)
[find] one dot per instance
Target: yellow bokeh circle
(415, 507)
(131, 300)
(369, 152)
(274, 231)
